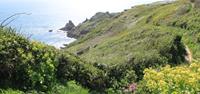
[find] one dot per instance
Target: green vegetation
(167, 80)
(10, 91)
(143, 28)
(32, 67)
(27, 65)
(70, 88)
(144, 36)
(96, 77)
(127, 52)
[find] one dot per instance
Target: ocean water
(40, 20)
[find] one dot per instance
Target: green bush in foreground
(97, 77)
(25, 65)
(72, 68)
(10, 91)
(175, 80)
(70, 88)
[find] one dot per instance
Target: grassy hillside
(146, 29)
(145, 36)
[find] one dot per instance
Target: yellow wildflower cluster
(169, 80)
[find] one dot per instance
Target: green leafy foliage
(95, 77)
(167, 80)
(120, 77)
(70, 88)
(72, 68)
(24, 64)
(10, 91)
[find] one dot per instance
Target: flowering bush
(25, 64)
(178, 80)
(132, 87)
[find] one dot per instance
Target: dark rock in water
(50, 30)
(69, 26)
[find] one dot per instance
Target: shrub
(167, 80)
(97, 78)
(24, 64)
(198, 39)
(70, 88)
(120, 77)
(10, 91)
(72, 68)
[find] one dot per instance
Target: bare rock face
(188, 56)
(197, 3)
(192, 1)
(69, 26)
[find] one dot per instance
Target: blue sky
(76, 10)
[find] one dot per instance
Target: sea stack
(69, 26)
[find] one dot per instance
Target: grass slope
(142, 30)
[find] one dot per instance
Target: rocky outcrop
(196, 3)
(69, 26)
(101, 15)
(87, 25)
(188, 56)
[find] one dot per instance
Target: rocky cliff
(69, 26)
(88, 25)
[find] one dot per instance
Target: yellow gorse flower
(173, 80)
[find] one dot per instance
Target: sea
(36, 21)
